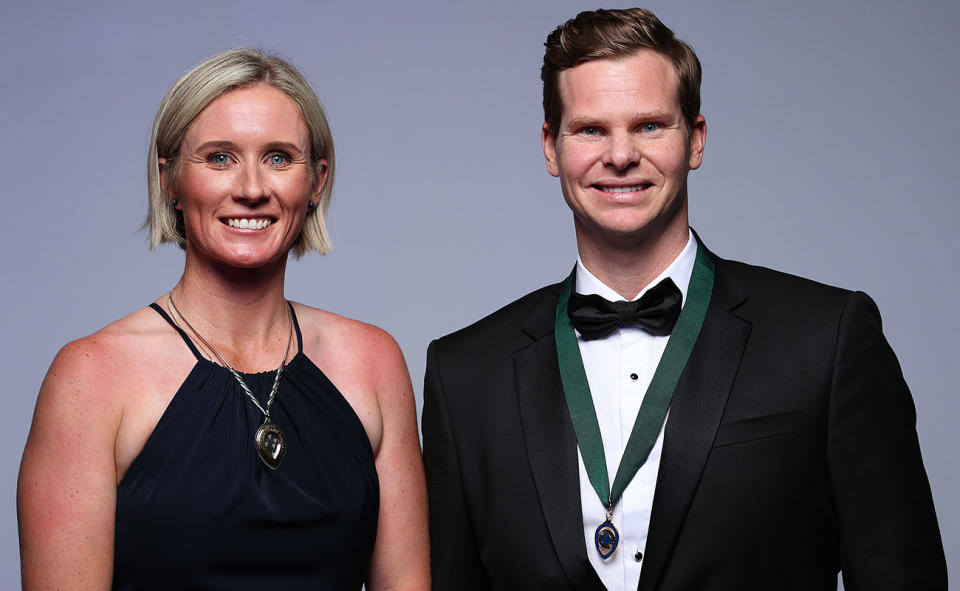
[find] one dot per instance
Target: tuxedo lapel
(551, 443)
(695, 414)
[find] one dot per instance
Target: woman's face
(245, 178)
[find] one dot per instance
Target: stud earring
(174, 202)
(311, 204)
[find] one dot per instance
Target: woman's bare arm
(66, 494)
(401, 558)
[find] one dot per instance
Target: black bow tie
(656, 312)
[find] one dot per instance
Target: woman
(151, 463)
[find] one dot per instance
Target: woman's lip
(248, 223)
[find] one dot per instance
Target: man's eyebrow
(656, 115)
(582, 122)
(587, 121)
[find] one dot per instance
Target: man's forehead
(645, 75)
(640, 65)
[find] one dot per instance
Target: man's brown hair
(600, 34)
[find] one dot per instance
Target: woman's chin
(246, 258)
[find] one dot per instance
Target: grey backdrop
(830, 154)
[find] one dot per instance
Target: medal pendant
(606, 539)
(271, 444)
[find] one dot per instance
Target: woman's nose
(253, 185)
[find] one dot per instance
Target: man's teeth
(249, 224)
(624, 189)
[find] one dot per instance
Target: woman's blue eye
(220, 159)
(278, 159)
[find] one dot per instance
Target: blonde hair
(215, 76)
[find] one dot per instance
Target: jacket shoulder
(778, 304)
(533, 312)
(766, 284)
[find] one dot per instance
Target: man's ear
(549, 149)
(698, 137)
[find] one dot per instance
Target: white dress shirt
(619, 369)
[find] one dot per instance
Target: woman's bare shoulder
(99, 364)
(362, 360)
(360, 340)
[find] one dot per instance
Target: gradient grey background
(830, 154)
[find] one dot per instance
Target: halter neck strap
(296, 327)
(196, 352)
(183, 335)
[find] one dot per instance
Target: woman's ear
(162, 163)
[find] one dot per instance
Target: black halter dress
(197, 509)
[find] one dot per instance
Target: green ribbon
(655, 402)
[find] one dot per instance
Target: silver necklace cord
(236, 374)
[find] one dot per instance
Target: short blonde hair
(215, 76)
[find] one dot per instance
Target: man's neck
(627, 269)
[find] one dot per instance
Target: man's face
(623, 149)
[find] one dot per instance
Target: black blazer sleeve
(888, 528)
(454, 557)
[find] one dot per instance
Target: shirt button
(638, 555)
(634, 377)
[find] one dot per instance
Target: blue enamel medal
(606, 538)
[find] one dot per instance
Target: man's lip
(622, 187)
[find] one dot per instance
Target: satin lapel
(551, 444)
(695, 414)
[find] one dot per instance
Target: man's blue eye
(651, 127)
(591, 130)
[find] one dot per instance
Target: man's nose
(623, 151)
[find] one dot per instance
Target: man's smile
(622, 189)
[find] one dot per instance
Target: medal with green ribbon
(656, 401)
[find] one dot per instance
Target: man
(737, 428)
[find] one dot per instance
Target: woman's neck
(241, 312)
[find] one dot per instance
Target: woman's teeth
(248, 224)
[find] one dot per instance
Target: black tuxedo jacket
(790, 452)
